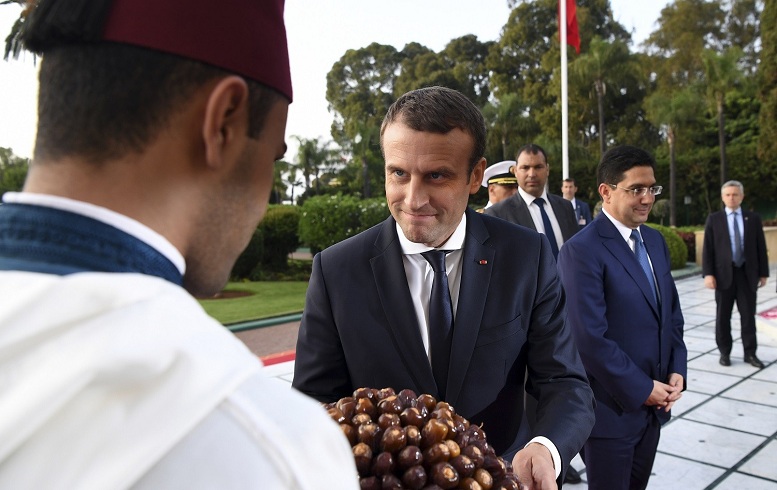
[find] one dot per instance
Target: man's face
(236, 206)
(568, 190)
(732, 196)
(630, 210)
(531, 170)
(499, 192)
(427, 182)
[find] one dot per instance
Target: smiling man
(378, 315)
(625, 315)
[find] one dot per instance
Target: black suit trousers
(742, 294)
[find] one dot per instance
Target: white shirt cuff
(553, 452)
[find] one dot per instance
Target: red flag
(573, 34)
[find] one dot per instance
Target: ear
(226, 120)
(604, 191)
(476, 178)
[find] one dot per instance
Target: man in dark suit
(369, 313)
(529, 207)
(735, 265)
(625, 315)
(582, 211)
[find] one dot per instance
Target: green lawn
(269, 299)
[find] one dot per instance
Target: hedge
(678, 252)
(272, 242)
(326, 220)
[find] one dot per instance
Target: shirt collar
(455, 242)
(529, 198)
(729, 210)
(624, 230)
(104, 215)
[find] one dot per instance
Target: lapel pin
(482, 262)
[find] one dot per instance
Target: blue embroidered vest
(53, 241)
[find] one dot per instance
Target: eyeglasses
(641, 191)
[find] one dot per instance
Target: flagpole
(564, 93)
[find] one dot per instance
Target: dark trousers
(741, 293)
(623, 463)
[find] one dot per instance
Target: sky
(319, 33)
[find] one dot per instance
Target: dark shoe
(572, 476)
(754, 361)
(725, 360)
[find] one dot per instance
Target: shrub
(279, 230)
(678, 252)
(249, 258)
(326, 220)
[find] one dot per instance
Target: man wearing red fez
(158, 125)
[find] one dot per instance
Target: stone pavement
(724, 431)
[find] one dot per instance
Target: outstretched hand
(533, 465)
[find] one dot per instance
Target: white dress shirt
(536, 215)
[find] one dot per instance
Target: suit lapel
(522, 211)
(476, 263)
(614, 242)
(391, 282)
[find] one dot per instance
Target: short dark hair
(620, 159)
(100, 100)
(439, 110)
(570, 180)
(532, 149)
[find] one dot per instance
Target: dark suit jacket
(359, 329)
(514, 210)
(716, 255)
(582, 211)
(625, 340)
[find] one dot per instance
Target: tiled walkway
(724, 431)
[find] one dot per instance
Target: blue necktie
(739, 256)
(548, 227)
(642, 258)
(440, 320)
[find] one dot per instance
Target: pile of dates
(400, 440)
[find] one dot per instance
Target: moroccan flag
(573, 34)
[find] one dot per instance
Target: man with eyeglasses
(625, 315)
(735, 264)
(533, 207)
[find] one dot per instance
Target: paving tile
(673, 472)
(767, 374)
(738, 415)
(699, 344)
(741, 481)
(710, 362)
(709, 382)
(756, 391)
(762, 463)
(705, 443)
(688, 401)
(701, 332)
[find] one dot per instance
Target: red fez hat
(245, 37)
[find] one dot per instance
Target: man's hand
(664, 395)
(533, 465)
(709, 282)
(762, 282)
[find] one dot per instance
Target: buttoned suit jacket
(717, 259)
(515, 210)
(626, 340)
(583, 210)
(359, 329)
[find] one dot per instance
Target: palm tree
(721, 73)
(605, 63)
(312, 155)
(13, 42)
(508, 118)
(671, 112)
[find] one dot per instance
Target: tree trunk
(600, 103)
(722, 140)
(672, 178)
(366, 177)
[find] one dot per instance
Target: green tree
(312, 157)
(672, 112)
(604, 64)
(360, 88)
(13, 42)
(509, 124)
(767, 83)
(13, 171)
(721, 74)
